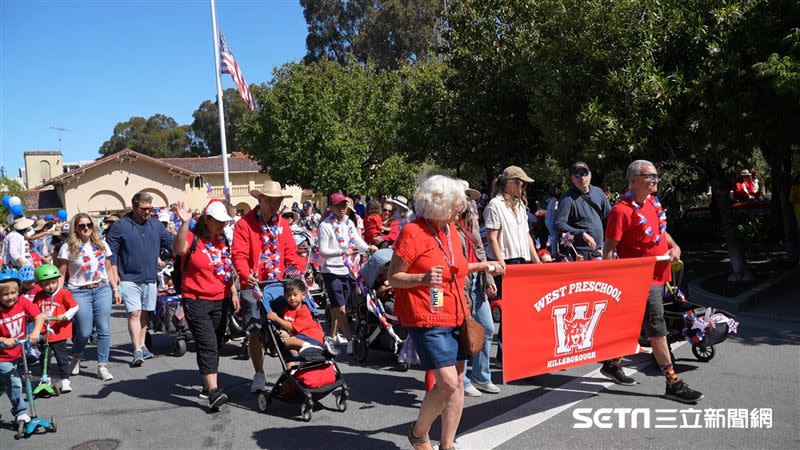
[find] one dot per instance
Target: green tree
(330, 127)
(9, 186)
(205, 127)
(158, 136)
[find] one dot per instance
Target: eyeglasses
(85, 226)
(146, 210)
(650, 176)
(388, 210)
(581, 174)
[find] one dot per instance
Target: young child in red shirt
(29, 288)
(373, 223)
(15, 311)
(300, 332)
(59, 307)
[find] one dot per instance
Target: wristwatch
(491, 267)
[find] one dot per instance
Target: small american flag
(293, 272)
(227, 64)
(179, 314)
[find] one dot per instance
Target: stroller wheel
(148, 341)
(245, 350)
(263, 401)
(341, 403)
(360, 348)
(404, 366)
(305, 412)
(704, 353)
(179, 347)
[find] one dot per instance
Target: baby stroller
(169, 316)
(376, 325)
(703, 327)
(291, 385)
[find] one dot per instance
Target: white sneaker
(329, 346)
(104, 374)
(65, 387)
(350, 348)
(470, 391)
(489, 388)
(339, 340)
(74, 364)
(259, 383)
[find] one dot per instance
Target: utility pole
(60, 131)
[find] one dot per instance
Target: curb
(734, 304)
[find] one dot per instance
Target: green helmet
(46, 272)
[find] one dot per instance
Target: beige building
(108, 184)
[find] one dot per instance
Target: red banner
(557, 316)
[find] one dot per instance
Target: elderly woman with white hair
(428, 271)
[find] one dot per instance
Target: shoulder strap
(188, 254)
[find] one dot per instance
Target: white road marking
(505, 427)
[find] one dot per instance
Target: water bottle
(437, 300)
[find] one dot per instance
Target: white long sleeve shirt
(329, 246)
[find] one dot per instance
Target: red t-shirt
(199, 277)
(623, 226)
(31, 294)
(418, 248)
(303, 322)
(55, 306)
(14, 324)
(372, 228)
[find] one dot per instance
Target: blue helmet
(9, 275)
(26, 274)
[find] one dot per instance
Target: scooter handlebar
(16, 342)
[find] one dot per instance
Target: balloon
(13, 201)
(17, 210)
(6, 198)
(49, 217)
(62, 214)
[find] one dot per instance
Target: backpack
(177, 269)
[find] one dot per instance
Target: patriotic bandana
(655, 235)
(219, 255)
(344, 244)
(92, 264)
(269, 262)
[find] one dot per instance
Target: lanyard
(441, 246)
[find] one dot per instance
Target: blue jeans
(483, 315)
(11, 384)
(94, 311)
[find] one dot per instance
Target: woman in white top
(83, 258)
(339, 240)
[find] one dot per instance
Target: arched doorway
(106, 201)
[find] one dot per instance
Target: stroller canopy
(373, 266)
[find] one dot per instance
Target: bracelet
(491, 267)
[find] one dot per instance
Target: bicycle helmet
(9, 275)
(46, 272)
(26, 274)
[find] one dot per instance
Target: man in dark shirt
(135, 241)
(582, 212)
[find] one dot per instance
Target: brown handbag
(472, 333)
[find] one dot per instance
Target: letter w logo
(14, 327)
(577, 333)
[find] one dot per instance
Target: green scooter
(46, 388)
(25, 429)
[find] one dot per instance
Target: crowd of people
(450, 248)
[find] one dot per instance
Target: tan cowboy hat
(472, 194)
(40, 224)
(294, 215)
(269, 189)
(22, 223)
(399, 201)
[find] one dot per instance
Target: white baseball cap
(217, 210)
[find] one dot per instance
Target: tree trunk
(739, 269)
(780, 165)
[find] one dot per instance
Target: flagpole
(225, 178)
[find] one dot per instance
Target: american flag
(228, 65)
(179, 313)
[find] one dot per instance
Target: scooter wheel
(53, 426)
(179, 348)
(57, 389)
(20, 430)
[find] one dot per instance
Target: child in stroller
(308, 371)
(376, 325)
(169, 317)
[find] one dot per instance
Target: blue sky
(87, 65)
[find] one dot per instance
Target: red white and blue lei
(661, 232)
(219, 255)
(269, 262)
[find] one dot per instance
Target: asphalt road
(156, 405)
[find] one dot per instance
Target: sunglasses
(650, 176)
(388, 210)
(85, 226)
(585, 173)
(146, 210)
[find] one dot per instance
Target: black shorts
(339, 288)
(653, 324)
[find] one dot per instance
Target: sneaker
(617, 375)
(489, 388)
(203, 394)
(24, 417)
(146, 354)
(104, 374)
(350, 348)
(339, 340)
(310, 351)
(65, 387)
(74, 364)
(471, 391)
(681, 392)
(138, 359)
(259, 383)
(329, 346)
(216, 398)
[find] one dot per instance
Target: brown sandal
(417, 441)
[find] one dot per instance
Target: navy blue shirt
(135, 248)
(575, 215)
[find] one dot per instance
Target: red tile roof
(237, 162)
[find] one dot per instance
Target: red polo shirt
(623, 226)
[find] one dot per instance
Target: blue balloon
(6, 198)
(49, 217)
(62, 214)
(17, 210)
